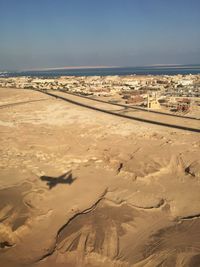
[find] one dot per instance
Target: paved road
(182, 123)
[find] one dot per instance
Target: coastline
(108, 71)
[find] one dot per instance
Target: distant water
(154, 70)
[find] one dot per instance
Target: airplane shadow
(65, 178)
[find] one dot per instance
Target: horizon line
(98, 67)
(104, 67)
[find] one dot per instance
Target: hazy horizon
(129, 33)
(160, 66)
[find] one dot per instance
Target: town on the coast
(174, 94)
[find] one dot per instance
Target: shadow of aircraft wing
(65, 174)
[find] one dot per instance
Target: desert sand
(83, 188)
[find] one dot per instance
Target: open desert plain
(82, 188)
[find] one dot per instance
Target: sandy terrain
(83, 188)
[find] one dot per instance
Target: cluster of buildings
(150, 91)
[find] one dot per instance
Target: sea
(150, 70)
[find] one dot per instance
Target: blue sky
(57, 33)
